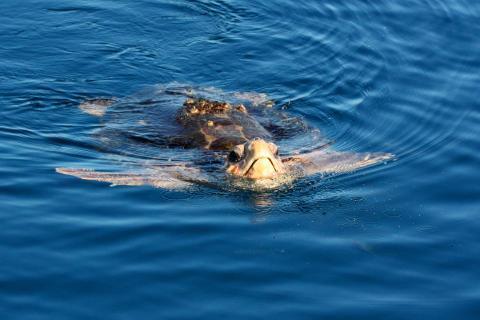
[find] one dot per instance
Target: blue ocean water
(395, 241)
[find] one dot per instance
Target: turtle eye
(274, 149)
(233, 156)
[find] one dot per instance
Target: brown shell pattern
(218, 125)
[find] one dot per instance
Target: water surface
(393, 241)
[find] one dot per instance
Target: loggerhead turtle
(236, 137)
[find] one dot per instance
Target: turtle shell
(160, 120)
(216, 125)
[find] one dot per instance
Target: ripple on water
(369, 75)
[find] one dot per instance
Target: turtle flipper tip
(384, 156)
(67, 170)
(161, 179)
(96, 107)
(374, 158)
(87, 174)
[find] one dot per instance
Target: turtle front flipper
(96, 107)
(333, 162)
(157, 178)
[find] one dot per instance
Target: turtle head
(255, 159)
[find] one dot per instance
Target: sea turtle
(234, 138)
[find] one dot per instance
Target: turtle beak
(260, 161)
(261, 168)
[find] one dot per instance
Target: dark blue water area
(393, 241)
